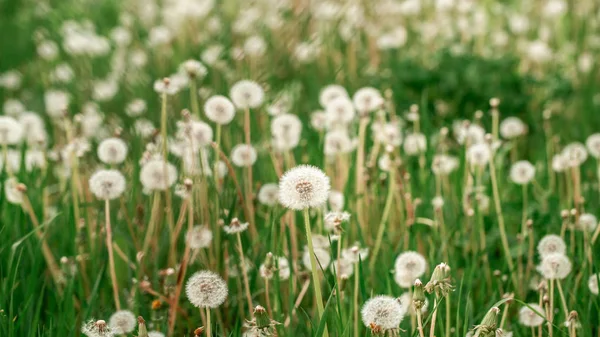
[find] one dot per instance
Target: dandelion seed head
(243, 155)
(522, 172)
(408, 267)
(367, 99)
(11, 131)
(529, 317)
(444, 165)
(155, 334)
(555, 266)
(193, 68)
(97, 328)
(282, 266)
(199, 237)
(415, 144)
(342, 267)
(384, 311)
(575, 154)
(13, 191)
(156, 174)
(593, 145)
(322, 256)
(246, 94)
(550, 244)
(235, 226)
(339, 112)
(512, 127)
(56, 102)
(587, 222)
(338, 142)
(303, 187)
(136, 108)
(107, 184)
(122, 322)
(268, 194)
(331, 93)
(479, 154)
(219, 109)
(112, 151)
(355, 254)
(336, 201)
(318, 120)
(206, 289)
(593, 284)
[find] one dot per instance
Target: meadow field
(255, 168)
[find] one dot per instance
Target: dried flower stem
(420, 323)
(360, 158)
(355, 299)
(111, 257)
(208, 322)
(562, 299)
(436, 302)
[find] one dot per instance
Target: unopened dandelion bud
(529, 223)
(546, 299)
(262, 317)
(478, 114)
(439, 282)
(185, 113)
(199, 331)
(497, 273)
(573, 212)
(166, 81)
(418, 298)
(188, 183)
(269, 261)
(142, 330)
(470, 212)
(494, 102)
(444, 131)
(488, 138)
(488, 325)
(573, 317)
(547, 114)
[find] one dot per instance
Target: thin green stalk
(384, 217)
(314, 270)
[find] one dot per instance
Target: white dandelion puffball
(193, 68)
(339, 112)
(122, 322)
(559, 163)
(522, 172)
(587, 222)
(444, 165)
(408, 267)
(342, 267)
(330, 93)
(243, 155)
(338, 141)
(551, 244)
(468, 133)
(555, 266)
(336, 200)
(201, 134)
(107, 184)
(303, 187)
(355, 253)
(384, 311)
(199, 237)
(334, 219)
(323, 259)
(479, 154)
(367, 99)
(512, 127)
(11, 131)
(529, 317)
(206, 289)
(235, 227)
(575, 154)
(56, 102)
(157, 174)
(407, 303)
(593, 284)
(318, 120)
(247, 94)
(219, 109)
(13, 193)
(112, 151)
(282, 266)
(286, 125)
(155, 334)
(268, 194)
(97, 328)
(414, 144)
(593, 145)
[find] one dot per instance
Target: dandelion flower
(355, 253)
(339, 112)
(112, 151)
(408, 267)
(338, 142)
(235, 226)
(479, 154)
(336, 200)
(122, 322)
(268, 194)
(444, 165)
(555, 266)
(587, 222)
(11, 131)
(593, 283)
(522, 172)
(414, 144)
(199, 237)
(333, 220)
(512, 127)
(56, 102)
(593, 145)
(550, 244)
(13, 191)
(193, 68)
(529, 317)
(367, 99)
(330, 93)
(383, 311)
(107, 184)
(342, 267)
(247, 94)
(97, 329)
(219, 109)
(243, 155)
(303, 187)
(575, 154)
(323, 259)
(206, 289)
(157, 174)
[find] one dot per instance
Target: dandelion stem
(420, 323)
(384, 217)
(313, 267)
(434, 316)
(562, 299)
(111, 258)
(208, 322)
(501, 220)
(244, 274)
(194, 98)
(356, 282)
